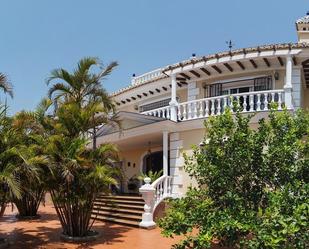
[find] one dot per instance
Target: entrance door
(153, 162)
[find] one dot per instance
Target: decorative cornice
(244, 51)
(237, 52)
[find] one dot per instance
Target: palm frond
(7, 176)
(5, 85)
(61, 74)
(107, 70)
(43, 106)
(59, 87)
(85, 64)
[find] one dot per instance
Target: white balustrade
(147, 77)
(200, 108)
(153, 194)
(163, 112)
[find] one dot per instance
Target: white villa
(162, 114)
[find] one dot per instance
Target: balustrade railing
(147, 77)
(245, 102)
(162, 112)
(203, 108)
(153, 194)
(163, 189)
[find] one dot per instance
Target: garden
(48, 150)
(252, 182)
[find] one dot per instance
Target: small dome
(304, 19)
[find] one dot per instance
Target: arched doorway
(153, 161)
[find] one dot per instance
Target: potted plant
(153, 175)
(133, 184)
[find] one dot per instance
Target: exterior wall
(135, 158)
(305, 97)
(182, 143)
(193, 91)
(296, 83)
(127, 108)
(189, 138)
(132, 107)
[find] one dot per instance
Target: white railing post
(288, 83)
(148, 194)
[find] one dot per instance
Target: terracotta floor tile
(44, 233)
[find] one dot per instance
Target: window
(154, 105)
(239, 86)
(263, 84)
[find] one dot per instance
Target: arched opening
(153, 162)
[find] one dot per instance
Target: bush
(243, 176)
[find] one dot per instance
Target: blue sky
(38, 36)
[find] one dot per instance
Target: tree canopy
(252, 184)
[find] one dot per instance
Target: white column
(173, 103)
(288, 82)
(174, 86)
(165, 153)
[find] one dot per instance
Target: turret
(302, 27)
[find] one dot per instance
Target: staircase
(121, 209)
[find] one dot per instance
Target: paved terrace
(44, 233)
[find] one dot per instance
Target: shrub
(243, 174)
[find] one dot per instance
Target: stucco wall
(134, 158)
(189, 138)
(305, 97)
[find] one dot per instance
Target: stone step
(119, 221)
(114, 215)
(118, 210)
(124, 210)
(121, 206)
(121, 197)
(115, 201)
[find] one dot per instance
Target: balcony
(153, 75)
(258, 101)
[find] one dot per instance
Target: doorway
(153, 162)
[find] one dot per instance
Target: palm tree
(9, 183)
(28, 156)
(78, 174)
(5, 85)
(84, 87)
(77, 180)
